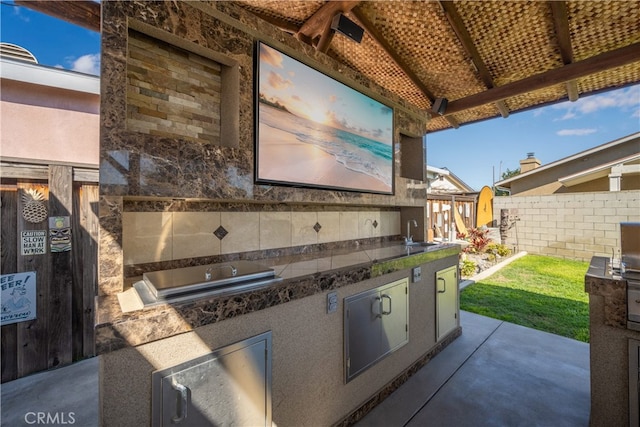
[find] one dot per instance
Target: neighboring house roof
(591, 172)
(442, 180)
(28, 72)
(629, 164)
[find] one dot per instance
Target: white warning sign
(33, 242)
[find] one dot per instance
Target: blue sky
(52, 41)
(475, 152)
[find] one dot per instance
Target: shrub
(468, 268)
(498, 249)
(478, 239)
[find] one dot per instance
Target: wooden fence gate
(66, 280)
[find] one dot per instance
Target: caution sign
(33, 242)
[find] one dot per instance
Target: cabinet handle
(445, 285)
(183, 402)
(382, 304)
(377, 302)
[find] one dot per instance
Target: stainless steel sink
(167, 284)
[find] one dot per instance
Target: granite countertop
(122, 320)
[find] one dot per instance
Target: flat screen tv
(313, 131)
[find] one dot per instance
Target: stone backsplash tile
(330, 227)
(302, 231)
(369, 224)
(152, 237)
(147, 237)
(349, 225)
(244, 232)
(193, 234)
(275, 230)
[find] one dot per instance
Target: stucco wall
(66, 129)
(575, 226)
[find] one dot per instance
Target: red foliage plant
(478, 239)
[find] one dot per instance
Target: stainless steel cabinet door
(394, 301)
(446, 300)
(362, 331)
(376, 323)
(230, 386)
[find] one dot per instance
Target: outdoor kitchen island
(614, 346)
(307, 384)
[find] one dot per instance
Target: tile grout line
(452, 375)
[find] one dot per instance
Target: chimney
(530, 163)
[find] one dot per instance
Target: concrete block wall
(574, 226)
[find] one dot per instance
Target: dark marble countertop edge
(115, 329)
(377, 266)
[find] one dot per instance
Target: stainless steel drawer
(230, 386)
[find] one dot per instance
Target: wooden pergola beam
(318, 26)
(561, 25)
(605, 61)
(457, 24)
(82, 12)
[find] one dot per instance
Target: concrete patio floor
(495, 374)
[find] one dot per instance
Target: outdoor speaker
(344, 25)
(440, 105)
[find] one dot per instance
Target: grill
(630, 266)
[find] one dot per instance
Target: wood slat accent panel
(61, 280)
(9, 343)
(32, 334)
(66, 282)
(85, 274)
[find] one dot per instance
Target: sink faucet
(207, 274)
(409, 238)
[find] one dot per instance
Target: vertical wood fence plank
(32, 334)
(90, 203)
(78, 266)
(9, 212)
(61, 282)
(85, 258)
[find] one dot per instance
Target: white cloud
(18, 14)
(568, 115)
(88, 64)
(623, 99)
(575, 132)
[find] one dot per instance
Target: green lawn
(536, 291)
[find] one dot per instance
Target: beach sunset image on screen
(314, 131)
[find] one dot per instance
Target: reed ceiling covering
(487, 58)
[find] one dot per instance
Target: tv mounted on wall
(313, 131)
